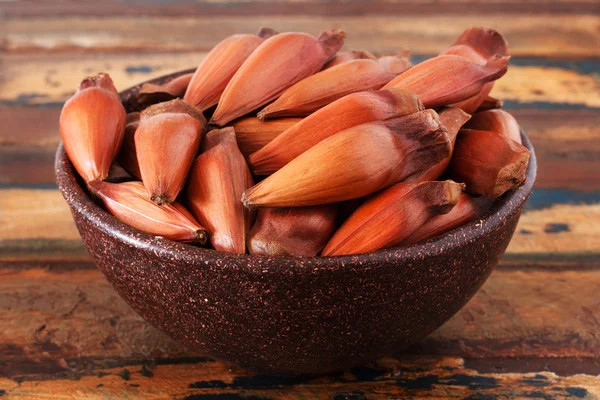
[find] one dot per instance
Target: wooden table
(533, 331)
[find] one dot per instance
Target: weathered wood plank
(51, 79)
(566, 145)
(187, 8)
(557, 231)
(37, 226)
(53, 318)
(573, 35)
(69, 334)
(389, 379)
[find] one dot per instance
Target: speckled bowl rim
(79, 201)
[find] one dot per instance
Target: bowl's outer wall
(294, 315)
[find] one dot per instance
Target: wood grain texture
(563, 229)
(563, 35)
(37, 8)
(440, 379)
(531, 332)
(38, 226)
(66, 322)
(49, 79)
(566, 143)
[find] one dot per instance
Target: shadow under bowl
(291, 315)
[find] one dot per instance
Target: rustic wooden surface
(531, 332)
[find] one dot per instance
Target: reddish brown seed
(488, 163)
(151, 93)
(391, 216)
(452, 120)
(349, 111)
(129, 203)
(346, 56)
(356, 162)
(490, 103)
(300, 231)
(166, 142)
(323, 88)
(275, 65)
(478, 45)
(128, 156)
(396, 63)
(467, 209)
(218, 178)
(220, 65)
(92, 123)
(448, 79)
(498, 121)
(252, 134)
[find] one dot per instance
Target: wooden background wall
(537, 315)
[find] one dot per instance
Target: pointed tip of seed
(94, 187)
(261, 114)
(498, 60)
(212, 124)
(484, 40)
(329, 34)
(176, 106)
(246, 201)
(202, 236)
(333, 39)
(265, 32)
(101, 80)
(160, 199)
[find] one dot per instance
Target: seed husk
(387, 219)
(467, 209)
(449, 79)
(220, 65)
(488, 163)
(218, 178)
(252, 134)
(490, 103)
(323, 88)
(356, 162)
(129, 203)
(274, 66)
(478, 45)
(452, 120)
(498, 121)
(396, 63)
(349, 111)
(346, 56)
(299, 231)
(92, 125)
(151, 93)
(166, 142)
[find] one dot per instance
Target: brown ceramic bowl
(290, 314)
